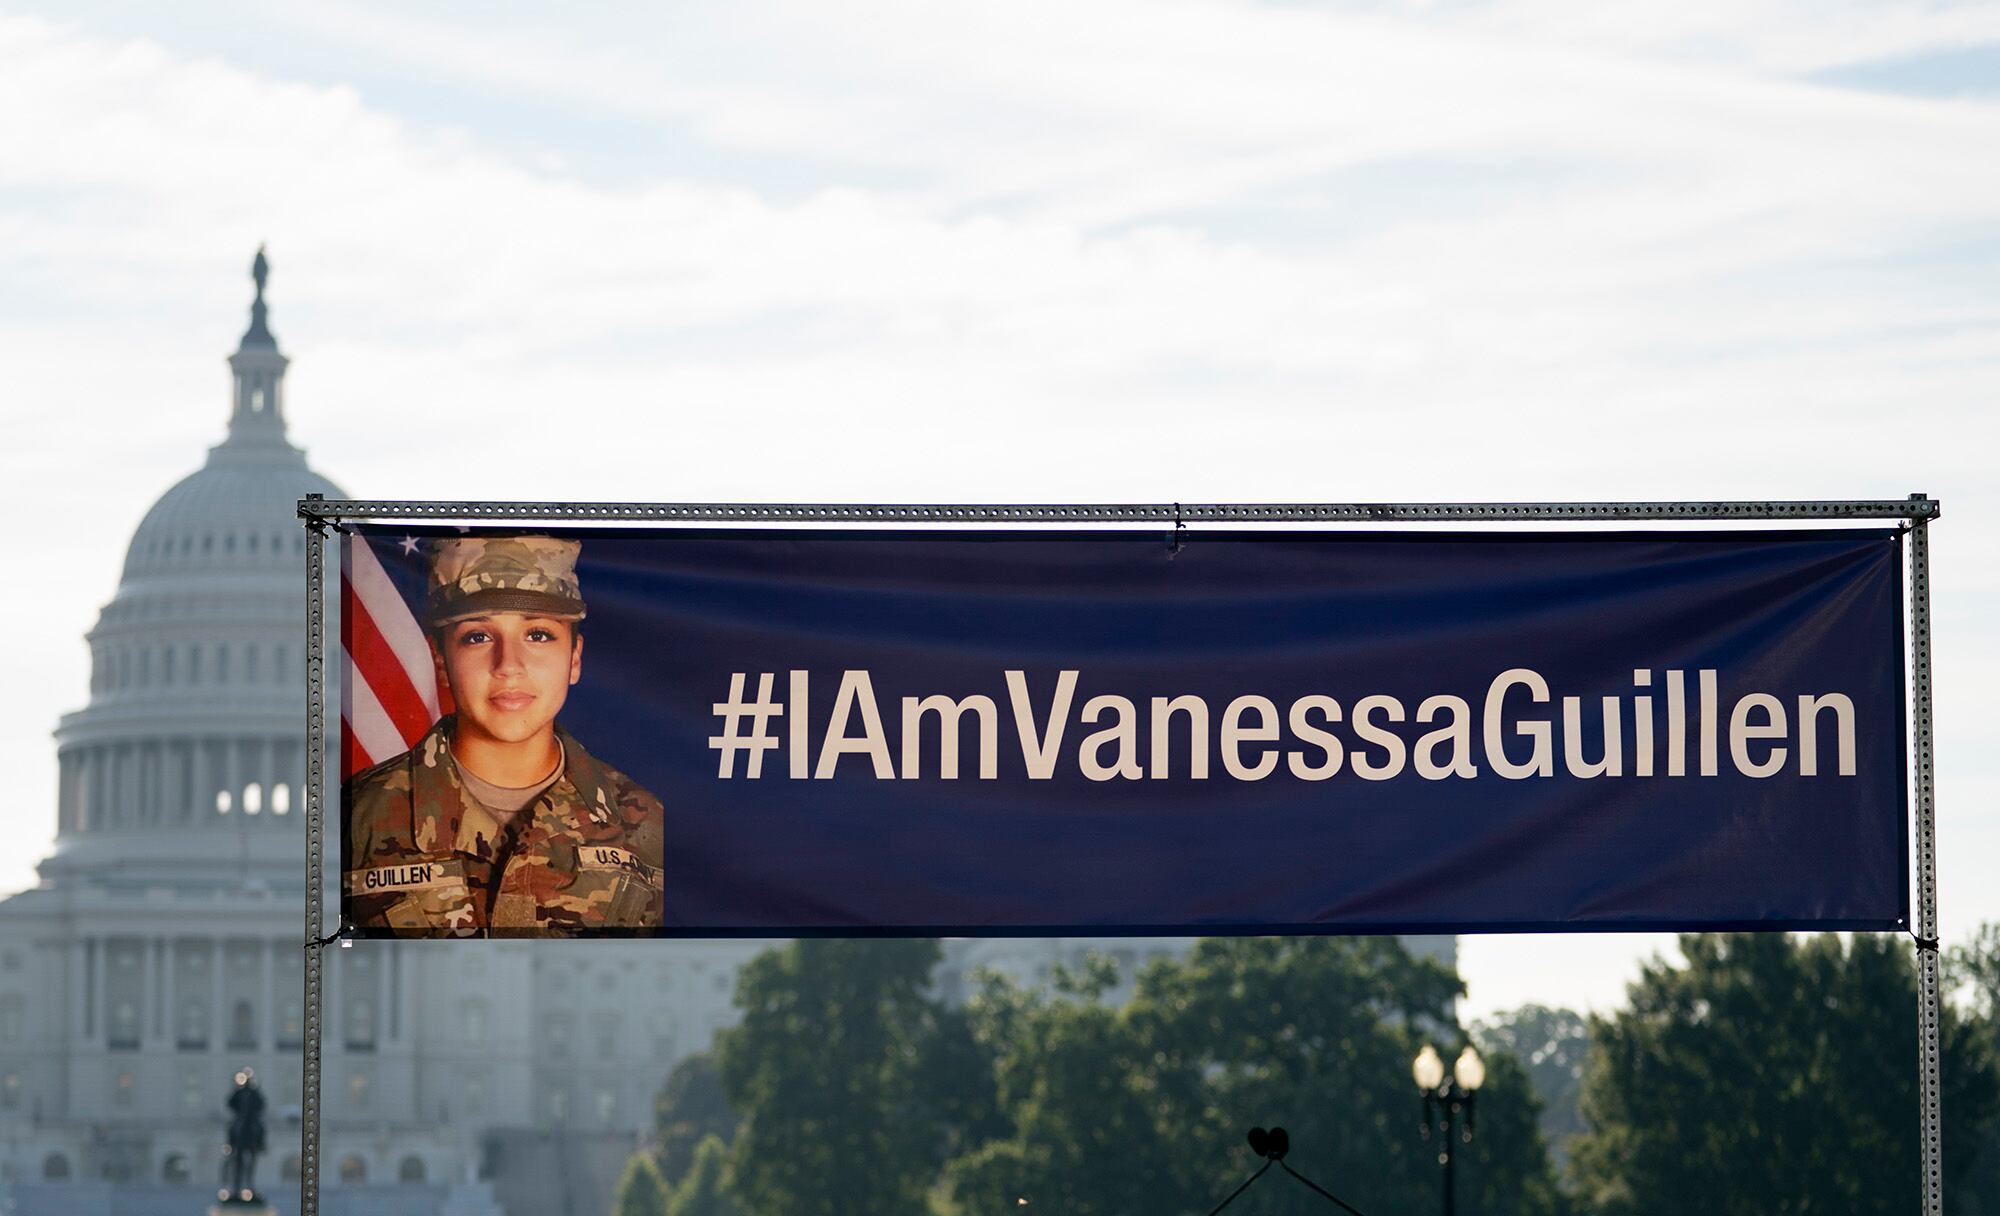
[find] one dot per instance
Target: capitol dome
(185, 767)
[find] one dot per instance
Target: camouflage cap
(475, 575)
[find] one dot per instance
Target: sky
(1022, 251)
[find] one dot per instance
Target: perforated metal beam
(315, 947)
(1914, 508)
(1929, 995)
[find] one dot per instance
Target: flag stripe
(391, 688)
(372, 588)
(381, 671)
(373, 733)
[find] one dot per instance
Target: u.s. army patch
(606, 857)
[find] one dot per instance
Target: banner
(706, 732)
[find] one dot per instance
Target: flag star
(409, 544)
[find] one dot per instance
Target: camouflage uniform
(422, 860)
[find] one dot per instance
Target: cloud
(1027, 251)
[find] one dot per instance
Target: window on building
(561, 1027)
(353, 1169)
(411, 1169)
(55, 1168)
(281, 799)
(361, 1025)
(293, 1170)
(607, 1106)
(194, 1095)
(192, 1034)
(122, 1086)
(223, 802)
(475, 1023)
(10, 1091)
(13, 1017)
(124, 1028)
(242, 1026)
(357, 1089)
(604, 1031)
(253, 798)
(291, 1023)
(176, 1169)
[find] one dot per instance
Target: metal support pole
(309, 1108)
(1450, 1131)
(1929, 996)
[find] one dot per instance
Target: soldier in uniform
(498, 823)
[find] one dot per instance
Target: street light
(1444, 1099)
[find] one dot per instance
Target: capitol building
(161, 949)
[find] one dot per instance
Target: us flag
(390, 694)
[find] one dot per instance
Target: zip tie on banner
(1925, 943)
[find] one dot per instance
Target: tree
(1972, 970)
(641, 1190)
(1972, 973)
(1144, 1108)
(701, 1192)
(690, 1108)
(842, 1117)
(1553, 1045)
(1772, 1076)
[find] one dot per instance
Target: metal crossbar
(1916, 507)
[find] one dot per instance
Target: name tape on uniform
(415, 876)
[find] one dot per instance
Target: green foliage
(1553, 1045)
(1972, 970)
(641, 1190)
(701, 1192)
(690, 1108)
(1772, 1076)
(1143, 1109)
(849, 1077)
(1972, 973)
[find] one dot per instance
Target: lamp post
(1444, 1098)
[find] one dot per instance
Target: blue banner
(779, 732)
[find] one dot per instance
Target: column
(153, 1025)
(65, 791)
(94, 950)
(261, 1005)
(203, 782)
(260, 753)
(149, 783)
(178, 798)
(218, 1020)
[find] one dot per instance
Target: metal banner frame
(319, 514)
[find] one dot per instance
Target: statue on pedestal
(245, 1144)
